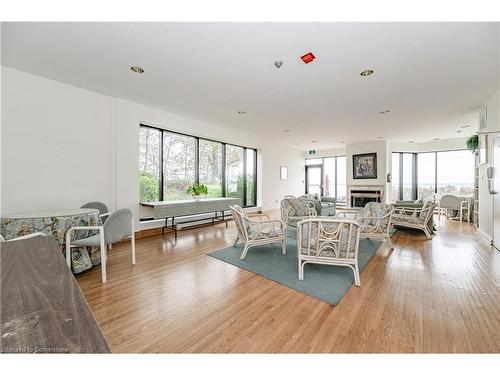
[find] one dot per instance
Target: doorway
(314, 179)
(496, 187)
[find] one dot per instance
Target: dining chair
(118, 226)
(101, 207)
(37, 234)
(452, 202)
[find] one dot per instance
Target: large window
(227, 170)
(149, 164)
(179, 156)
(455, 173)
(211, 167)
(431, 174)
(333, 171)
(234, 172)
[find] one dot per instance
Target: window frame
(415, 170)
(197, 162)
(322, 165)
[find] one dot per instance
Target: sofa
(416, 204)
(325, 206)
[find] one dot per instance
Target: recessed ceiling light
(411, 141)
(366, 73)
(296, 143)
(286, 131)
(137, 69)
(459, 131)
(384, 111)
(437, 139)
(342, 141)
(314, 141)
(278, 64)
(380, 137)
(241, 112)
(465, 126)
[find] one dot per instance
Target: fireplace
(359, 196)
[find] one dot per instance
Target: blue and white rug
(327, 283)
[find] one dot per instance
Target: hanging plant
(472, 143)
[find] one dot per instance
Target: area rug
(326, 283)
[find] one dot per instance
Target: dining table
(56, 223)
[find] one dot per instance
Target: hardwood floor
(441, 295)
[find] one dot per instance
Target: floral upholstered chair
(294, 210)
(375, 221)
(416, 218)
(330, 241)
(257, 232)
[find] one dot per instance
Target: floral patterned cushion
(329, 233)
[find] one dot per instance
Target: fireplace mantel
(370, 192)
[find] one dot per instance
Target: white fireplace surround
(368, 190)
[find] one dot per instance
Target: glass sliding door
(314, 179)
(341, 193)
(329, 177)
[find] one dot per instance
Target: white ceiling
(433, 77)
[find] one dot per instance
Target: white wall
(485, 198)
(55, 144)
(63, 145)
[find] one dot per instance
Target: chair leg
(103, 257)
(68, 248)
(301, 270)
(357, 280)
(132, 240)
(427, 233)
(389, 242)
(283, 247)
(244, 253)
(237, 239)
(461, 215)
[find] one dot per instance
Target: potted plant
(472, 143)
(196, 190)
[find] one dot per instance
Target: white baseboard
(485, 236)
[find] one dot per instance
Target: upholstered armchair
(294, 210)
(416, 218)
(325, 206)
(330, 241)
(374, 220)
(254, 232)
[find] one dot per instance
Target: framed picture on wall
(283, 173)
(364, 166)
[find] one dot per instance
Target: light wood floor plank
(424, 296)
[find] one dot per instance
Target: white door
(496, 186)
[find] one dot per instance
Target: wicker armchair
(374, 220)
(294, 210)
(416, 218)
(331, 241)
(257, 232)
